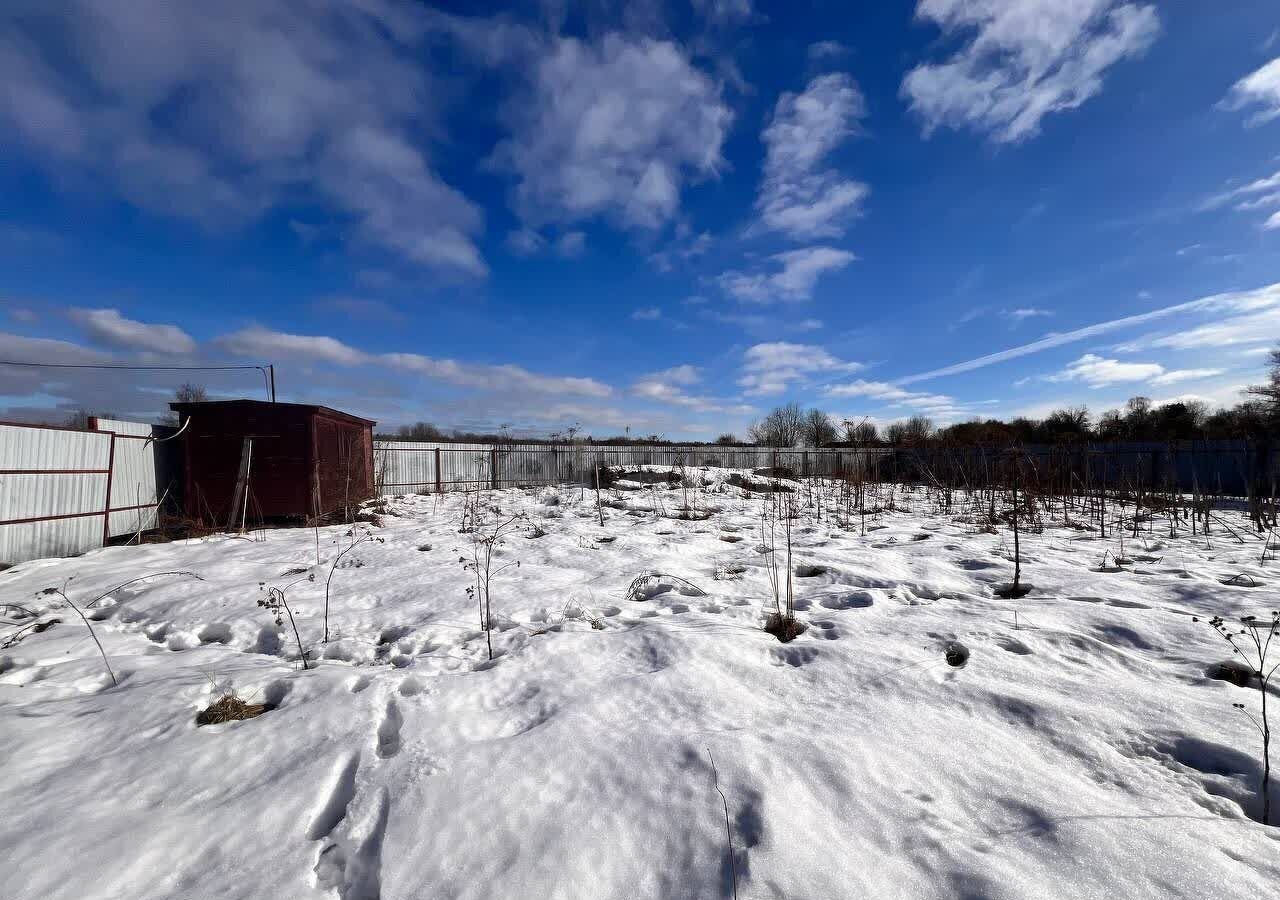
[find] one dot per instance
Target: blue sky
(668, 216)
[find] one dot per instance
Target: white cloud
(794, 281)
(647, 314)
(1259, 186)
(526, 242)
(107, 326)
(1097, 372)
(262, 343)
(1260, 88)
(798, 197)
(1222, 394)
(683, 247)
(684, 375)
(494, 378)
(1272, 199)
(614, 128)
(571, 244)
(1027, 312)
(18, 348)
(765, 327)
(668, 386)
(47, 395)
(529, 242)
(770, 368)
(1023, 60)
(938, 406)
(1259, 194)
(1252, 328)
(822, 51)
(876, 390)
(221, 118)
(724, 12)
(1178, 375)
(1236, 302)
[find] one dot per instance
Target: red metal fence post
(106, 504)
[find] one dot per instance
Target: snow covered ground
(1083, 753)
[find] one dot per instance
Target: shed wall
(279, 467)
(344, 459)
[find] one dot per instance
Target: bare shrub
(276, 603)
(358, 537)
(782, 623)
(61, 592)
(645, 586)
(1251, 643)
(485, 537)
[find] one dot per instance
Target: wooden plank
(242, 482)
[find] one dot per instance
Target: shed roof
(267, 406)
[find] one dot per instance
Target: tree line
(791, 425)
(1256, 418)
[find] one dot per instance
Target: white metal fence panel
(120, 426)
(65, 491)
(137, 477)
(53, 491)
(403, 467)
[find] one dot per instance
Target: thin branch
(728, 830)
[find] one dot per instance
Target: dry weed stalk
(484, 539)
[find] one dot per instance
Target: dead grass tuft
(784, 628)
(230, 708)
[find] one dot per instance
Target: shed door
(343, 465)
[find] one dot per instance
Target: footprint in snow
(853, 600)
(388, 742)
(792, 656)
(351, 864)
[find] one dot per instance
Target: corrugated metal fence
(403, 467)
(64, 491)
(141, 472)
(1221, 467)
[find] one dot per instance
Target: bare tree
(860, 432)
(783, 427)
(917, 430)
(1269, 393)
(419, 431)
(79, 418)
(817, 429)
(188, 392)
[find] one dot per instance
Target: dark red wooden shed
(253, 460)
